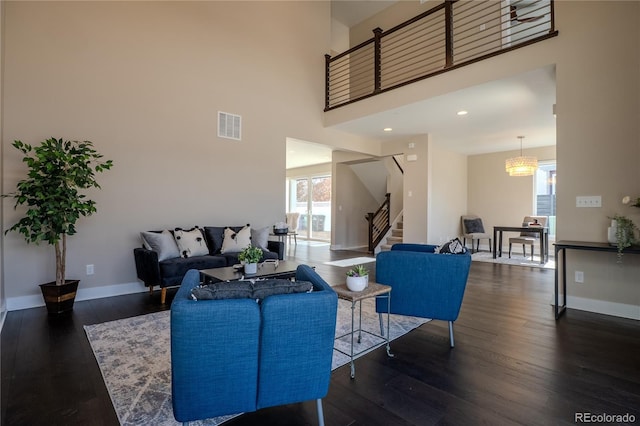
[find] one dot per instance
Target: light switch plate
(589, 201)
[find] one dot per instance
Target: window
(545, 201)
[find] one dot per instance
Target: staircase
(394, 238)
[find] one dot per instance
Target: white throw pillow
(162, 243)
(234, 242)
(260, 238)
(191, 243)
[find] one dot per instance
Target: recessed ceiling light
(463, 112)
(387, 129)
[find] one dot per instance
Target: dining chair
(293, 220)
(528, 238)
(473, 228)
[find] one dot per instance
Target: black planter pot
(59, 298)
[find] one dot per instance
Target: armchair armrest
(147, 266)
(276, 247)
(214, 354)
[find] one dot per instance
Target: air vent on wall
(229, 125)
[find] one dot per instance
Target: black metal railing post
(448, 30)
(377, 60)
(327, 79)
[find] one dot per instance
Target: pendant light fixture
(522, 165)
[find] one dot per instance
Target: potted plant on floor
(250, 256)
(57, 171)
(357, 278)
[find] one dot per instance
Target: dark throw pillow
(474, 226)
(451, 247)
(223, 290)
(270, 287)
(249, 289)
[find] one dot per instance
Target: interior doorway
(311, 197)
(545, 190)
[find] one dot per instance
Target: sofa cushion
(260, 237)
(235, 242)
(162, 243)
(271, 287)
(190, 242)
(214, 236)
(173, 270)
(223, 290)
(451, 247)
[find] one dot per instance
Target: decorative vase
(250, 268)
(611, 233)
(59, 298)
(357, 283)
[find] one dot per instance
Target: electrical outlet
(90, 270)
(579, 278)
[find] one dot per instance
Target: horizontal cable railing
(450, 35)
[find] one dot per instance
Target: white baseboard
(605, 307)
(34, 301)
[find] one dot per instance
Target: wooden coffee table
(281, 269)
(372, 290)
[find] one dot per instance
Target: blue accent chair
(236, 355)
(424, 284)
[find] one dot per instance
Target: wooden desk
(563, 246)
(542, 231)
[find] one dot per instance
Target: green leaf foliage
(58, 171)
(358, 271)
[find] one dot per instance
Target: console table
(542, 231)
(563, 246)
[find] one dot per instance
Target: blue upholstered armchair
(424, 284)
(236, 355)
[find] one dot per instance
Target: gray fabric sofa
(169, 272)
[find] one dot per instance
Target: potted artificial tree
(57, 171)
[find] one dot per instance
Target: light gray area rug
(134, 357)
(516, 259)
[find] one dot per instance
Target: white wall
(3, 299)
(447, 193)
(144, 82)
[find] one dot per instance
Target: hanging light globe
(522, 165)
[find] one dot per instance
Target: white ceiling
(498, 112)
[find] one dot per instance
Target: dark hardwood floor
(513, 362)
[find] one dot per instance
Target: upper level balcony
(450, 35)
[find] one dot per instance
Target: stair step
(394, 240)
(385, 247)
(399, 225)
(397, 232)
